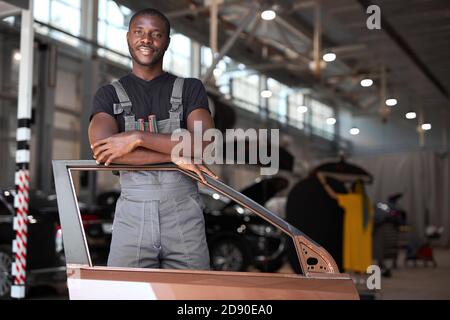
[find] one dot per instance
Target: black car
(45, 265)
(237, 239)
(45, 252)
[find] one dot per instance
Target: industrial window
(112, 28)
(277, 102)
(177, 58)
(297, 116)
(320, 113)
(62, 14)
(224, 65)
(245, 92)
(9, 20)
(206, 58)
(223, 72)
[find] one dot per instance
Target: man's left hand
(116, 146)
(188, 164)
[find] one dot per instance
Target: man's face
(147, 40)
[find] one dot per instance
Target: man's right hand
(116, 146)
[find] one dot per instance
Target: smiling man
(159, 219)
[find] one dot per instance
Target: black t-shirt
(151, 97)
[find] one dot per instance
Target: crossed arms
(138, 147)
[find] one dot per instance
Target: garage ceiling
(413, 46)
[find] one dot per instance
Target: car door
(321, 278)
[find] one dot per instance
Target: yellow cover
(357, 237)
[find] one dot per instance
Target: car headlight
(262, 230)
(241, 210)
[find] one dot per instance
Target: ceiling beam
(406, 48)
(248, 19)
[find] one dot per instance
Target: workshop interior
(349, 102)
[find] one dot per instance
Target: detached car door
(320, 279)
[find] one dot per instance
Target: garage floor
(406, 283)
(415, 282)
(420, 282)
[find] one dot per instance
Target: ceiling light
(426, 126)
(302, 109)
(268, 15)
(17, 56)
(216, 196)
(391, 102)
(410, 115)
(266, 93)
(331, 121)
(329, 57)
(366, 82)
(354, 131)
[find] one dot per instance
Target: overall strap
(176, 100)
(124, 105)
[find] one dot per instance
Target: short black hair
(152, 12)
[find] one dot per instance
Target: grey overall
(158, 221)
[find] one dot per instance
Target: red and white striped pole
(22, 178)
(21, 227)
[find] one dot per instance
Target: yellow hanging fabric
(357, 232)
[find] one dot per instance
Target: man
(159, 218)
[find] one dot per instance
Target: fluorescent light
(354, 131)
(410, 115)
(268, 15)
(331, 121)
(302, 109)
(366, 82)
(266, 93)
(391, 102)
(17, 56)
(329, 57)
(426, 126)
